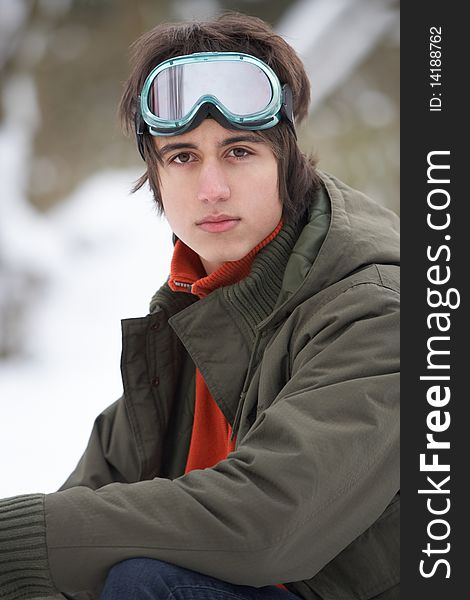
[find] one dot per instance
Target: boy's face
(219, 190)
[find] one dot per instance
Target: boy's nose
(213, 184)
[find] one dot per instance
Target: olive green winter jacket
(302, 357)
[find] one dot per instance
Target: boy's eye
(239, 152)
(182, 157)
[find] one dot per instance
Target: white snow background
(99, 258)
(107, 252)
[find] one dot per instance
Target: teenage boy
(256, 443)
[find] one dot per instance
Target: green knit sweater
(24, 568)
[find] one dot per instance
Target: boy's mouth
(218, 223)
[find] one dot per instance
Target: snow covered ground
(101, 256)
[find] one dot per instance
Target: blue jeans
(148, 579)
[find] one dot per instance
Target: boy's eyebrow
(176, 146)
(242, 138)
(226, 142)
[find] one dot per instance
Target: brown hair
(229, 32)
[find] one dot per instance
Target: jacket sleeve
(316, 469)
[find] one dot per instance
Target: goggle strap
(140, 129)
(287, 108)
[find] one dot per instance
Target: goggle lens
(241, 87)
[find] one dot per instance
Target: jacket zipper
(188, 286)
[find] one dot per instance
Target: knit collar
(187, 273)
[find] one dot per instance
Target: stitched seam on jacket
(341, 292)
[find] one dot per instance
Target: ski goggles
(238, 90)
